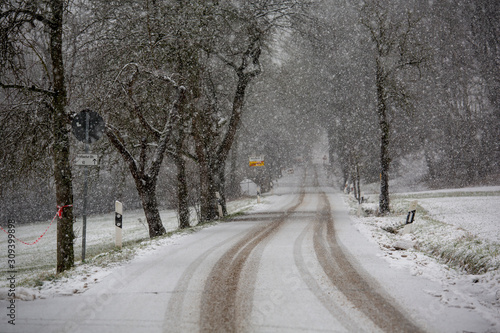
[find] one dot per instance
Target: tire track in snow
(345, 277)
(221, 310)
(311, 281)
(174, 315)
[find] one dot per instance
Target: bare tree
(145, 169)
(247, 31)
(396, 49)
(19, 21)
(157, 119)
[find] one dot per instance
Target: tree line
(392, 81)
(169, 77)
(185, 87)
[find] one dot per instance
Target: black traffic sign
(90, 121)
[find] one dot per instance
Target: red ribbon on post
(60, 210)
(58, 214)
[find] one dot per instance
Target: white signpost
(408, 228)
(118, 223)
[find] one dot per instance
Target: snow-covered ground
(478, 215)
(454, 241)
(35, 264)
(460, 224)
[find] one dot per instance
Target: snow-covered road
(296, 265)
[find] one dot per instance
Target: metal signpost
(88, 127)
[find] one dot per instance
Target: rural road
(275, 270)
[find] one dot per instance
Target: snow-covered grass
(455, 240)
(35, 264)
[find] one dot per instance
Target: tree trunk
(207, 192)
(182, 193)
(145, 184)
(384, 167)
(357, 183)
(234, 122)
(213, 187)
(180, 162)
(385, 160)
(147, 192)
(331, 148)
(61, 148)
(354, 186)
(234, 186)
(64, 197)
(222, 186)
(227, 142)
(211, 158)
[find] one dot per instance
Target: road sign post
(88, 127)
(410, 218)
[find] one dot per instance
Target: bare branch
(32, 88)
(32, 16)
(115, 139)
(167, 132)
(138, 110)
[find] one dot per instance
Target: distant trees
(339, 76)
(460, 145)
(444, 111)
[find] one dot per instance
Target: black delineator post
(411, 216)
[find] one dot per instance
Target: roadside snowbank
(455, 232)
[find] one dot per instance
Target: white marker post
(219, 207)
(258, 194)
(410, 218)
(118, 223)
